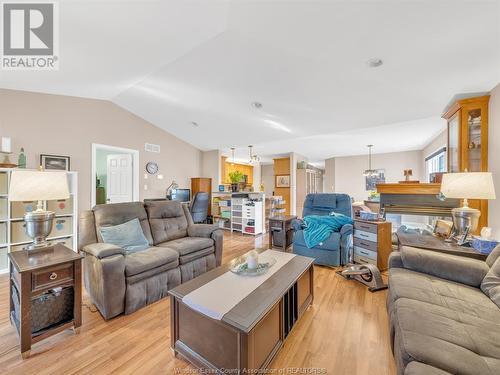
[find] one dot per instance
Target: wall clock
(151, 167)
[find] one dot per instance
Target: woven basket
(49, 309)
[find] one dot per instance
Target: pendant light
(232, 155)
(370, 172)
(253, 158)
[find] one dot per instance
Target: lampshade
(469, 185)
(38, 185)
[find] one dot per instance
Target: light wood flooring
(344, 332)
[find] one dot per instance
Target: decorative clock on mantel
(152, 167)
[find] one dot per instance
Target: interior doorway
(114, 175)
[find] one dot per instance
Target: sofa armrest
(202, 230)
(218, 237)
(395, 260)
(450, 267)
(103, 250)
(346, 229)
(298, 224)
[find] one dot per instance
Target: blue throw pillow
(128, 236)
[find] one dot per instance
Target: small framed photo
(283, 181)
(55, 162)
(443, 228)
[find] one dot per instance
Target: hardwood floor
(344, 332)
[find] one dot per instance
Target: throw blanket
(319, 228)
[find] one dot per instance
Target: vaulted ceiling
(176, 63)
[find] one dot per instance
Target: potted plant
(235, 177)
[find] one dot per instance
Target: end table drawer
(365, 244)
(367, 227)
(365, 253)
(362, 235)
(51, 277)
(363, 260)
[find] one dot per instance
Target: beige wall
(63, 125)
(267, 177)
(494, 159)
(440, 141)
(349, 177)
(211, 167)
(329, 176)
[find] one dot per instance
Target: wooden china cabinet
(468, 142)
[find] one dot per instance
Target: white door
(119, 178)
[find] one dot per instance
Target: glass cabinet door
(474, 140)
(453, 143)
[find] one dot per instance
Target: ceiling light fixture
(253, 158)
(370, 172)
(232, 155)
(195, 124)
(375, 62)
(257, 105)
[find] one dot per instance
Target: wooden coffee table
(252, 332)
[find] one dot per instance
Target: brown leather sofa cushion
(150, 258)
(119, 213)
(188, 245)
(167, 219)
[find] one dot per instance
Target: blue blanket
(319, 228)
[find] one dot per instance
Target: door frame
(135, 169)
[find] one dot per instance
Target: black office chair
(199, 207)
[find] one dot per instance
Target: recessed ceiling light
(194, 123)
(374, 63)
(257, 105)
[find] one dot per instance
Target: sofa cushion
(442, 338)
(418, 368)
(183, 259)
(491, 283)
(167, 219)
(119, 213)
(331, 243)
(150, 258)
(404, 283)
(188, 245)
(128, 236)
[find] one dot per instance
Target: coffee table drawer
(53, 276)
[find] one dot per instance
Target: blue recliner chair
(335, 250)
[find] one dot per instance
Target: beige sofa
(121, 282)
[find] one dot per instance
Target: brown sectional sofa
(120, 282)
(444, 313)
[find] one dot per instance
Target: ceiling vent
(152, 148)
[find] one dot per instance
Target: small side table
(281, 231)
(33, 273)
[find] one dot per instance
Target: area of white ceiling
(178, 62)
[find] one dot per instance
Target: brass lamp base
(38, 227)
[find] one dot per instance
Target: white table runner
(219, 296)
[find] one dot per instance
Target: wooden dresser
(372, 242)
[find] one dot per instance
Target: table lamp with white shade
(467, 185)
(38, 186)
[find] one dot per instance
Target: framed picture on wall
(372, 181)
(283, 181)
(55, 162)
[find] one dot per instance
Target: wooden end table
(281, 231)
(35, 272)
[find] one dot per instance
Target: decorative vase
(234, 188)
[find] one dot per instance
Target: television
(181, 195)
